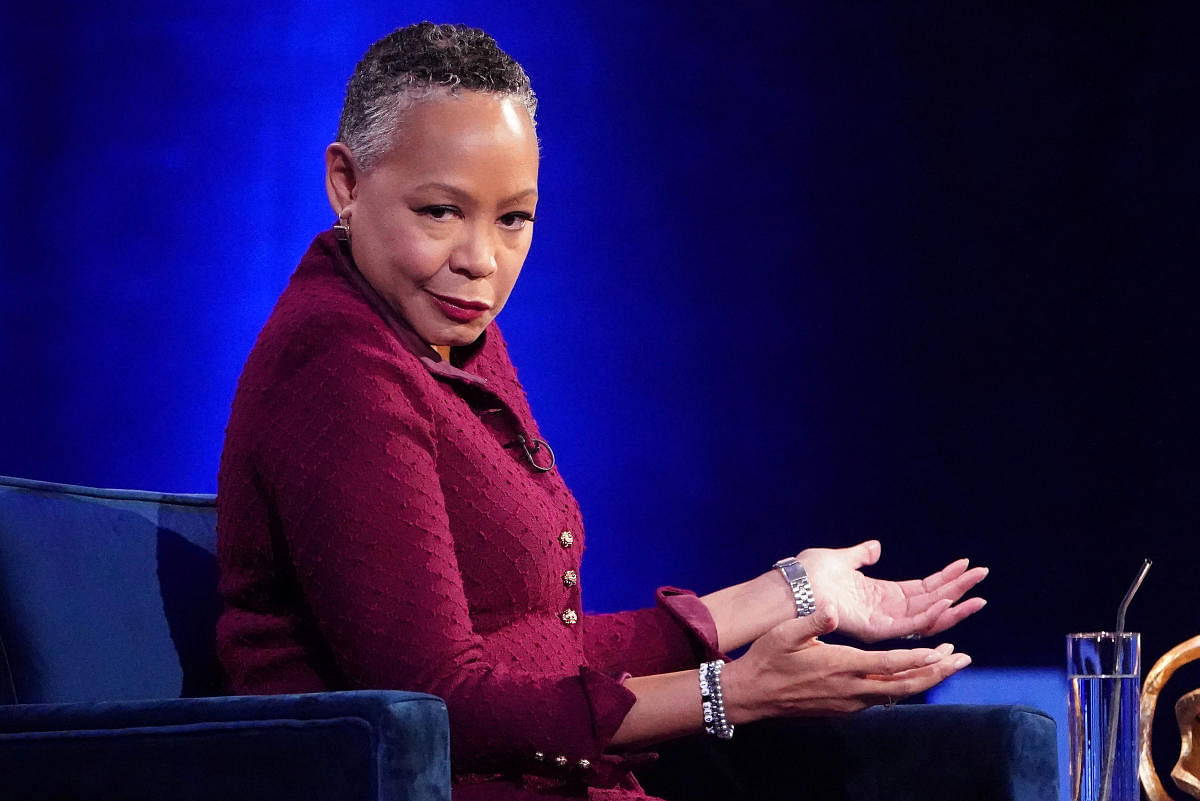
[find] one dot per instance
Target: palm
(873, 609)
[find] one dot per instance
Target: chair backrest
(106, 594)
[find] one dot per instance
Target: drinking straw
(1114, 706)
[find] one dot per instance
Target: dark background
(917, 271)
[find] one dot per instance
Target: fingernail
(945, 648)
(961, 661)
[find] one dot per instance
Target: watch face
(792, 569)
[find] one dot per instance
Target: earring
(342, 228)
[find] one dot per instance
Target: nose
(474, 255)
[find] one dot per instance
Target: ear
(341, 178)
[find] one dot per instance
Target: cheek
(400, 258)
(417, 259)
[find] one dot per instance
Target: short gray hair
(413, 63)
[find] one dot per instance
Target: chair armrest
(903, 753)
(373, 745)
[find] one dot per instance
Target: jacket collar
(343, 261)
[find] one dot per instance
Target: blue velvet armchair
(110, 689)
(107, 612)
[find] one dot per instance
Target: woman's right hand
(789, 672)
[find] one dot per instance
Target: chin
(456, 336)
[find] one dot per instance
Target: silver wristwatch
(797, 579)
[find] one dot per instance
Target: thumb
(866, 553)
(799, 631)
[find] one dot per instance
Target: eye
(439, 212)
(515, 220)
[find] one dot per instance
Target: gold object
(1186, 772)
(570, 617)
(566, 539)
(584, 764)
(570, 578)
(561, 761)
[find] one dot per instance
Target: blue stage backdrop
(922, 272)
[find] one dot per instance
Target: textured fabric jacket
(381, 526)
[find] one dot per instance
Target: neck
(443, 351)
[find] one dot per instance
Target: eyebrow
(525, 194)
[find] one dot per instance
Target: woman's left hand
(872, 609)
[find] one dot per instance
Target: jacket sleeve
(351, 462)
(677, 634)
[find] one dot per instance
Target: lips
(457, 309)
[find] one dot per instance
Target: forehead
(467, 138)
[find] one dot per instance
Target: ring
(913, 636)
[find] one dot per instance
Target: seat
(111, 690)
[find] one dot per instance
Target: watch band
(796, 577)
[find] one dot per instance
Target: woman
(390, 517)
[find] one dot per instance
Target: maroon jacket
(381, 527)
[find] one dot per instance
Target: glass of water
(1104, 672)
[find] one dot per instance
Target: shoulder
(320, 310)
(323, 340)
(321, 317)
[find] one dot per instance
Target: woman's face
(441, 225)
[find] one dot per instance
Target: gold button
(566, 539)
(583, 764)
(570, 578)
(539, 756)
(570, 617)
(561, 761)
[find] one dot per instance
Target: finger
(918, 620)
(938, 655)
(935, 581)
(944, 650)
(922, 679)
(953, 616)
(865, 553)
(922, 624)
(918, 598)
(951, 581)
(884, 664)
(959, 585)
(884, 689)
(798, 632)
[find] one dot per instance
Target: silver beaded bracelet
(712, 702)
